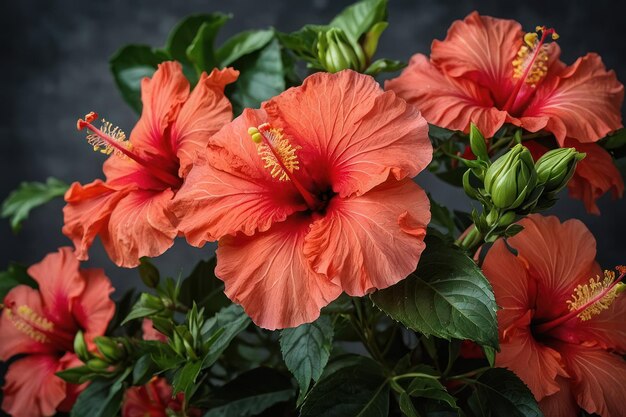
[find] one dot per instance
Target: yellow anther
(538, 28)
(530, 39)
(255, 135)
(555, 36)
(30, 323)
(101, 141)
(597, 287)
(276, 151)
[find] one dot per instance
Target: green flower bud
(478, 144)
(80, 347)
(336, 52)
(97, 364)
(110, 349)
(507, 219)
(511, 178)
(556, 167)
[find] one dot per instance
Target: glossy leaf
(185, 378)
(358, 18)
(231, 321)
(306, 350)
(185, 32)
(201, 48)
(147, 305)
(447, 296)
(384, 65)
(28, 196)
(204, 288)
(102, 398)
(242, 44)
(130, 65)
(14, 275)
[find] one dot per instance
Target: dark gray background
(55, 69)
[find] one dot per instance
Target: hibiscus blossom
(42, 324)
(561, 321)
(310, 196)
(154, 400)
(489, 72)
(129, 210)
(595, 175)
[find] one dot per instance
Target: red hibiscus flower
(488, 71)
(129, 210)
(154, 400)
(310, 196)
(42, 324)
(561, 321)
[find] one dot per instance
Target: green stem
(414, 375)
(471, 241)
(470, 373)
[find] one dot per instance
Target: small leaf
(303, 43)
(143, 369)
(358, 389)
(441, 217)
(262, 77)
(185, 378)
(130, 65)
(250, 394)
(501, 393)
(384, 65)
(201, 49)
(203, 287)
(306, 350)
(231, 320)
(102, 398)
(358, 18)
(14, 275)
(149, 273)
(28, 196)
(147, 305)
(77, 375)
(422, 387)
(242, 44)
(447, 296)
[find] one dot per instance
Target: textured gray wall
(54, 69)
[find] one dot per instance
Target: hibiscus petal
(352, 130)
(447, 102)
(584, 102)
(94, 309)
(559, 255)
(60, 284)
(162, 97)
(230, 191)
(87, 212)
(139, 225)
(562, 403)
(595, 175)
(536, 364)
(269, 275)
(202, 115)
(15, 341)
(606, 329)
(598, 379)
(32, 388)
(480, 48)
(372, 241)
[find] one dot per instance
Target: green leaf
(441, 217)
(29, 195)
(499, 392)
(185, 378)
(430, 388)
(306, 350)
(185, 32)
(384, 65)
(231, 320)
(147, 305)
(203, 287)
(102, 398)
(250, 394)
(130, 65)
(357, 19)
(14, 275)
(144, 369)
(303, 43)
(447, 296)
(77, 375)
(201, 48)
(149, 273)
(358, 389)
(615, 143)
(262, 77)
(243, 43)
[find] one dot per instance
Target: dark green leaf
(243, 43)
(359, 389)
(306, 350)
(615, 143)
(384, 65)
(499, 392)
(185, 32)
(149, 273)
(231, 320)
(102, 398)
(28, 196)
(303, 43)
(144, 369)
(447, 296)
(262, 77)
(147, 305)
(430, 388)
(77, 375)
(358, 18)
(130, 65)
(201, 48)
(250, 393)
(14, 275)
(441, 217)
(185, 378)
(203, 287)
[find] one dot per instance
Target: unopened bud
(80, 347)
(336, 52)
(511, 178)
(556, 167)
(97, 364)
(478, 144)
(110, 349)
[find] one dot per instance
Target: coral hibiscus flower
(129, 210)
(488, 71)
(595, 175)
(310, 196)
(561, 321)
(154, 400)
(42, 324)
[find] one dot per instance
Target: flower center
(38, 328)
(111, 139)
(530, 66)
(281, 160)
(590, 299)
